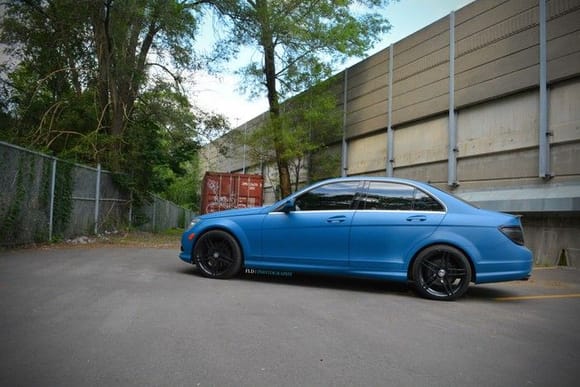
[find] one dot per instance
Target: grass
(166, 239)
(169, 239)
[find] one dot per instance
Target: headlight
(193, 222)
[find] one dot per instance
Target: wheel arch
(241, 241)
(440, 243)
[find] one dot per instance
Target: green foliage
(309, 38)
(85, 87)
(63, 198)
(10, 222)
(301, 43)
(306, 125)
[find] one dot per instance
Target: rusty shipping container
(223, 191)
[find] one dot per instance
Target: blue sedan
(371, 227)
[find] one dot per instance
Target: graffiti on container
(213, 186)
(219, 203)
(226, 191)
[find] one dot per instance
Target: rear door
(391, 219)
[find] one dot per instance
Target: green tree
(307, 123)
(100, 82)
(300, 43)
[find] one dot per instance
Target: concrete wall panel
(369, 99)
(564, 112)
(421, 143)
(473, 10)
(515, 164)
(566, 159)
(421, 57)
(498, 49)
(495, 88)
(421, 109)
(423, 93)
(435, 173)
(422, 42)
(367, 154)
(498, 126)
(369, 113)
(367, 69)
(559, 69)
(564, 21)
(424, 78)
(504, 66)
(378, 84)
(495, 19)
(367, 126)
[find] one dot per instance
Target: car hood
(234, 212)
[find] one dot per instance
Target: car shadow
(475, 292)
(319, 281)
(332, 282)
(488, 293)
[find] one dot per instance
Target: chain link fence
(43, 198)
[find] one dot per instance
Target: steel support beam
(544, 132)
(97, 198)
(52, 191)
(390, 134)
(344, 158)
(452, 123)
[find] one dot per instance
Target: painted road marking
(542, 297)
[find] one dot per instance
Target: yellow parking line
(541, 297)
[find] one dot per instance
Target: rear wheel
(217, 254)
(441, 272)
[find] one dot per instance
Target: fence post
(154, 212)
(97, 197)
(52, 189)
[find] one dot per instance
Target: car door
(315, 234)
(391, 219)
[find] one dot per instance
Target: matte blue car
(371, 227)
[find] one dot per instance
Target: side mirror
(288, 206)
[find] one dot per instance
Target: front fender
(247, 235)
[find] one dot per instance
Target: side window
(424, 202)
(389, 196)
(333, 196)
(398, 197)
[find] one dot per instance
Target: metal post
(154, 213)
(131, 209)
(97, 198)
(390, 134)
(244, 149)
(52, 190)
(344, 161)
(544, 133)
(452, 125)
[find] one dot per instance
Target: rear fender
(451, 239)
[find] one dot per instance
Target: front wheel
(441, 272)
(217, 254)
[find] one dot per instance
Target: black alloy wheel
(441, 272)
(217, 254)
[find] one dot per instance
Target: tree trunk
(267, 42)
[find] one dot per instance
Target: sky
(218, 93)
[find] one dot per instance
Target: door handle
(416, 218)
(336, 219)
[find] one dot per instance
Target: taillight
(514, 233)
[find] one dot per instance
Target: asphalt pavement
(140, 317)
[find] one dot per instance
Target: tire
(217, 254)
(441, 272)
